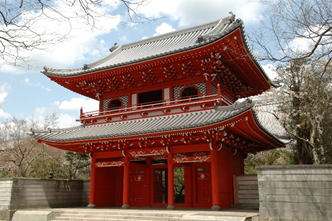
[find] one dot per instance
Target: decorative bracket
(211, 146)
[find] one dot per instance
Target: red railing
(204, 100)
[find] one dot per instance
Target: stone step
(160, 216)
(95, 219)
(114, 217)
(135, 214)
(142, 217)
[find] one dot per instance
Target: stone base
(170, 207)
(91, 206)
(125, 206)
(215, 208)
(6, 214)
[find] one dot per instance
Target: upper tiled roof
(151, 125)
(157, 46)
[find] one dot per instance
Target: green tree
(45, 165)
(279, 156)
(304, 108)
(308, 96)
(77, 165)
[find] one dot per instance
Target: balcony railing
(205, 101)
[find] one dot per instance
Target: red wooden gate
(202, 189)
(138, 189)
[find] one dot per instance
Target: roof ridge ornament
(247, 104)
(114, 47)
(45, 69)
(225, 25)
(86, 67)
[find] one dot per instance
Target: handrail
(145, 107)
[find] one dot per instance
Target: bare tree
(295, 30)
(297, 34)
(304, 106)
(18, 149)
(20, 28)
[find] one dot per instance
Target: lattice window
(214, 89)
(177, 90)
(124, 100)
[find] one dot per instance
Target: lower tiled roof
(167, 123)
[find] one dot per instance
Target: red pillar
(218, 91)
(214, 177)
(92, 183)
(125, 199)
(170, 182)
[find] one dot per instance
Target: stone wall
(86, 192)
(24, 193)
(291, 193)
(5, 197)
(246, 191)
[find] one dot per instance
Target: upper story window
(189, 93)
(151, 98)
(114, 105)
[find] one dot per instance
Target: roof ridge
(154, 39)
(173, 33)
(212, 24)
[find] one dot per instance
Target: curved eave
(145, 134)
(267, 132)
(254, 59)
(243, 123)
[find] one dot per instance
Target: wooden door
(138, 185)
(202, 190)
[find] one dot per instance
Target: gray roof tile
(152, 125)
(157, 46)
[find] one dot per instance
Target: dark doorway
(160, 185)
(151, 98)
(189, 93)
(114, 105)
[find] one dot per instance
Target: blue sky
(25, 92)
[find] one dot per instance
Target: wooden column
(92, 183)
(214, 177)
(125, 199)
(231, 185)
(170, 181)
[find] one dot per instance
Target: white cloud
(270, 70)
(68, 114)
(66, 120)
(307, 41)
(4, 87)
(75, 104)
(28, 82)
(197, 11)
(164, 28)
(4, 115)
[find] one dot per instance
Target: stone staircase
(145, 215)
(141, 214)
(116, 215)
